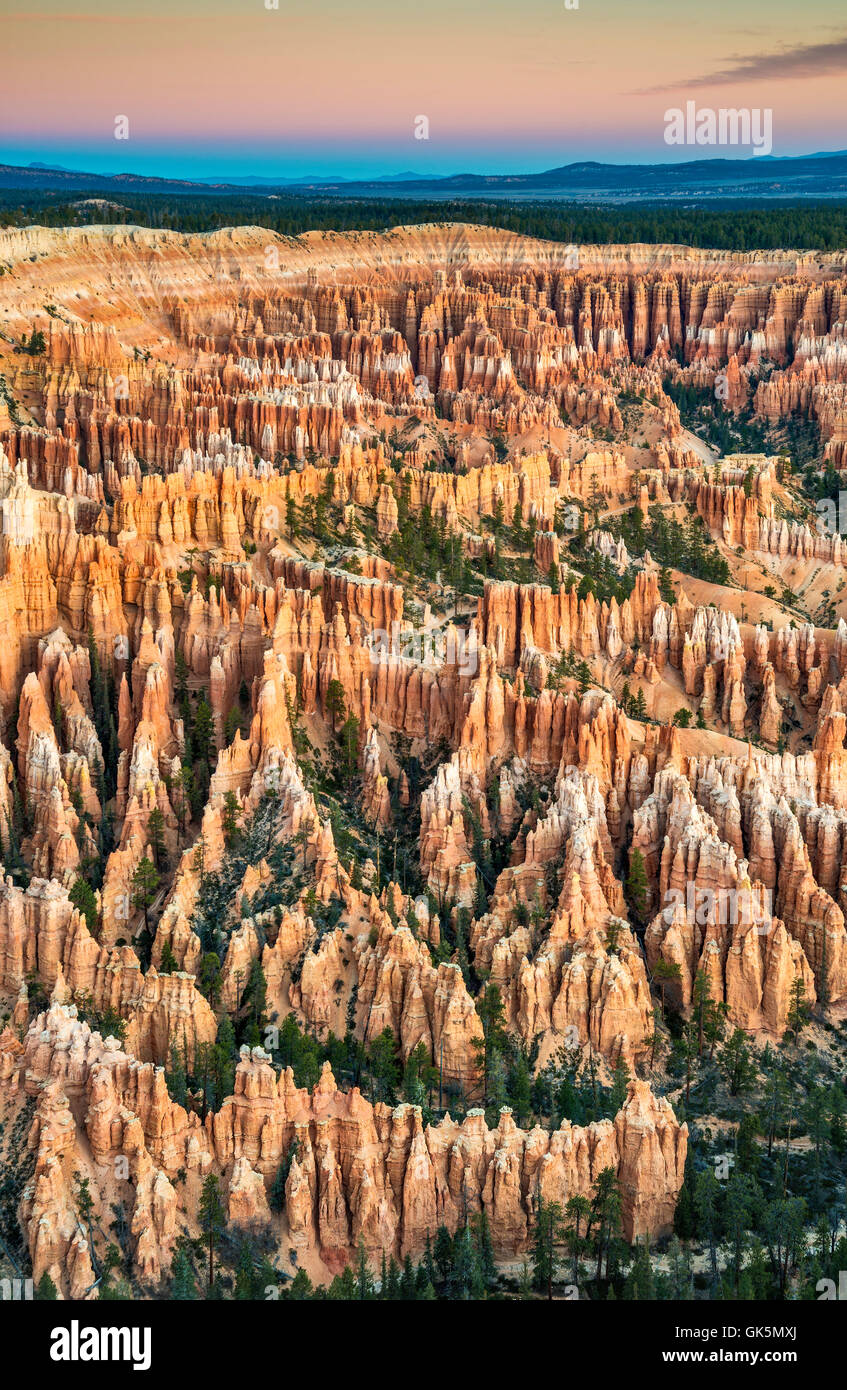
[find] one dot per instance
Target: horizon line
(47, 163)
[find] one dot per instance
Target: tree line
(735, 225)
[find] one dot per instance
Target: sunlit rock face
(337, 698)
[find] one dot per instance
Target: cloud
(809, 60)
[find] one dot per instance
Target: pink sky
(229, 86)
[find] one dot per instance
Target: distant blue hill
(820, 175)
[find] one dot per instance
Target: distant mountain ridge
(823, 174)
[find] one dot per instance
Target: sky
(224, 88)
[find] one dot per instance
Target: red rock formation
(200, 513)
(360, 1172)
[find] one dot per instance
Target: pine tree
(636, 885)
(113, 1290)
(620, 1086)
(203, 749)
(168, 963)
(83, 898)
(276, 1196)
(408, 1281)
(349, 742)
(145, 884)
(231, 818)
(520, 1087)
(679, 1272)
(364, 1278)
(183, 1285)
(183, 791)
(547, 1231)
(466, 1281)
(443, 1253)
(737, 1063)
(392, 1281)
(746, 1144)
(176, 1079)
(232, 725)
(613, 932)
(204, 1066)
(664, 973)
(210, 976)
(493, 1019)
(212, 1219)
(707, 1192)
(45, 1289)
(640, 1284)
(428, 1264)
(461, 951)
(244, 1274)
(156, 836)
(798, 1010)
(577, 1212)
(684, 1222)
(837, 1130)
(485, 1247)
(335, 704)
(384, 1064)
(605, 1215)
(301, 1287)
(738, 1217)
(84, 1200)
